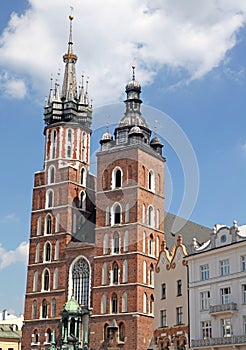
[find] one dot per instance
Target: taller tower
(129, 228)
(62, 200)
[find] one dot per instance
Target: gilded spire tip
(71, 16)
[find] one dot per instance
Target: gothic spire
(69, 88)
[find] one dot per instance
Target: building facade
(171, 326)
(217, 290)
(96, 247)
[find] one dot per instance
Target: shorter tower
(129, 227)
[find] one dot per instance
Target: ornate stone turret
(71, 106)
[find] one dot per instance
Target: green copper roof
(72, 306)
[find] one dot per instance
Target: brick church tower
(95, 257)
(129, 228)
(62, 204)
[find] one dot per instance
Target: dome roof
(156, 141)
(107, 136)
(133, 85)
(135, 130)
(129, 120)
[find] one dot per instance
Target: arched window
(48, 336)
(151, 245)
(151, 275)
(47, 251)
(81, 281)
(114, 304)
(151, 181)
(83, 154)
(48, 224)
(159, 183)
(34, 309)
(53, 144)
(157, 246)
(72, 326)
(117, 178)
(150, 216)
(69, 151)
(143, 214)
(125, 271)
(158, 219)
(126, 241)
(105, 244)
(122, 332)
(116, 243)
(151, 305)
(35, 281)
(105, 331)
(83, 200)
(53, 307)
(127, 213)
(69, 135)
(144, 242)
(145, 303)
(83, 177)
(115, 273)
(124, 302)
(44, 309)
(144, 271)
(104, 273)
(116, 214)
(143, 173)
(46, 280)
(49, 199)
(55, 279)
(51, 175)
(35, 337)
(56, 256)
(107, 216)
(57, 228)
(103, 304)
(37, 255)
(39, 226)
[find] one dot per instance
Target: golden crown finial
(71, 16)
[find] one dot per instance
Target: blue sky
(191, 64)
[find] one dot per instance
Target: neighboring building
(171, 298)
(103, 258)
(217, 290)
(8, 318)
(10, 337)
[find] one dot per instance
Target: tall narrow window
(37, 255)
(74, 222)
(53, 144)
(125, 271)
(151, 245)
(124, 302)
(34, 309)
(49, 199)
(48, 336)
(51, 175)
(81, 280)
(163, 318)
(122, 332)
(126, 241)
(44, 309)
(55, 279)
(35, 281)
(46, 280)
(104, 274)
(57, 246)
(69, 151)
(107, 219)
(83, 200)
(179, 288)
(151, 181)
(157, 219)
(48, 224)
(39, 225)
(157, 246)
(57, 228)
(127, 213)
(151, 275)
(35, 337)
(244, 325)
(243, 263)
(244, 293)
(205, 300)
(144, 271)
(145, 303)
(54, 307)
(143, 213)
(151, 216)
(118, 178)
(47, 252)
(179, 315)
(105, 331)
(225, 294)
(103, 304)
(115, 273)
(151, 305)
(117, 214)
(116, 240)
(83, 177)
(144, 242)
(114, 304)
(163, 291)
(105, 244)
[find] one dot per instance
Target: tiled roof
(8, 332)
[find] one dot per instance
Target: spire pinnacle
(133, 72)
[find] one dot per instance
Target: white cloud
(9, 257)
(9, 218)
(12, 87)
(191, 35)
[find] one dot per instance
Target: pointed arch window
(81, 281)
(103, 304)
(49, 199)
(53, 144)
(37, 254)
(46, 280)
(53, 307)
(35, 281)
(117, 178)
(55, 279)
(44, 309)
(83, 200)
(116, 214)
(145, 303)
(51, 175)
(122, 332)
(47, 252)
(143, 213)
(116, 242)
(127, 213)
(151, 216)
(151, 181)
(48, 224)
(39, 225)
(114, 303)
(151, 245)
(83, 177)
(104, 274)
(144, 242)
(144, 271)
(57, 228)
(126, 241)
(115, 273)
(151, 305)
(124, 302)
(34, 309)
(151, 275)
(105, 244)
(125, 272)
(57, 246)
(35, 337)
(48, 336)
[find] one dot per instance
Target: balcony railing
(234, 339)
(213, 309)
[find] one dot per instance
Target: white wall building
(217, 290)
